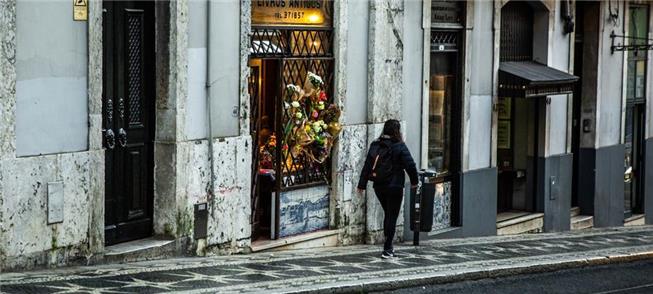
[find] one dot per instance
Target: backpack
(381, 172)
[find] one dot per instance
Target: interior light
(314, 18)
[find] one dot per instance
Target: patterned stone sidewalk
(345, 269)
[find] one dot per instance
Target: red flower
(323, 96)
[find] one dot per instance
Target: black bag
(382, 168)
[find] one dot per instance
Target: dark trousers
(390, 199)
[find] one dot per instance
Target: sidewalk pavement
(347, 269)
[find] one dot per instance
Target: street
(360, 268)
(636, 277)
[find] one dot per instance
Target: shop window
(442, 121)
(443, 100)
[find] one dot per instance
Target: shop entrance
(526, 88)
(517, 151)
(264, 94)
(291, 80)
(128, 118)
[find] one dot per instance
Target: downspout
(209, 83)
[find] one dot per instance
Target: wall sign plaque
(315, 13)
(80, 10)
(446, 11)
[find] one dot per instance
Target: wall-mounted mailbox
(201, 221)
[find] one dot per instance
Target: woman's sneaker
(387, 254)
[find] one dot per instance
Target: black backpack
(381, 172)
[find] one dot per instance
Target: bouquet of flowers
(312, 123)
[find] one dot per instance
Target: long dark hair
(392, 129)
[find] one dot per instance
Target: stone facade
(216, 170)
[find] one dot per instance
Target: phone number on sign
(290, 14)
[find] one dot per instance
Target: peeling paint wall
(349, 208)
(27, 237)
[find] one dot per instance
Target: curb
(429, 279)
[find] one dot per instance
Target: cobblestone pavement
(336, 269)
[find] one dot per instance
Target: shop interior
(264, 88)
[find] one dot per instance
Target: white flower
(286, 105)
(315, 79)
(293, 88)
(295, 104)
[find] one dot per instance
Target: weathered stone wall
(26, 238)
(348, 208)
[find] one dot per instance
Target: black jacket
(401, 161)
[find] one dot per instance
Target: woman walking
(387, 159)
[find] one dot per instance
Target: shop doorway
(526, 189)
(128, 118)
(284, 55)
(635, 120)
(264, 94)
(517, 154)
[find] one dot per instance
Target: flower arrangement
(312, 123)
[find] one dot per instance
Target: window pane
(640, 75)
(441, 92)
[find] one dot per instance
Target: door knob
(122, 137)
(110, 139)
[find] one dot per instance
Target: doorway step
(634, 220)
(325, 238)
(139, 250)
(580, 222)
(519, 222)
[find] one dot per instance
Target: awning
(531, 79)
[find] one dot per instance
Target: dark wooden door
(128, 118)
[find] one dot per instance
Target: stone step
(139, 250)
(325, 238)
(580, 222)
(575, 211)
(529, 223)
(634, 220)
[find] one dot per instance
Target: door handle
(122, 137)
(110, 138)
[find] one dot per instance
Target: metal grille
(516, 32)
(297, 171)
(270, 42)
(444, 40)
(253, 88)
(135, 68)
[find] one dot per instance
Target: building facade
(172, 123)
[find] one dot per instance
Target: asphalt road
(628, 278)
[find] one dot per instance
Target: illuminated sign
(291, 13)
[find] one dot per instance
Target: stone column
(7, 95)
(385, 90)
(172, 92)
(7, 79)
(96, 153)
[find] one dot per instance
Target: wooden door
(128, 118)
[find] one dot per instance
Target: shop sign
(80, 10)
(316, 13)
(503, 128)
(446, 11)
(503, 134)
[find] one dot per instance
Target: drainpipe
(209, 83)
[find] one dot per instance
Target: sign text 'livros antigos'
(291, 12)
